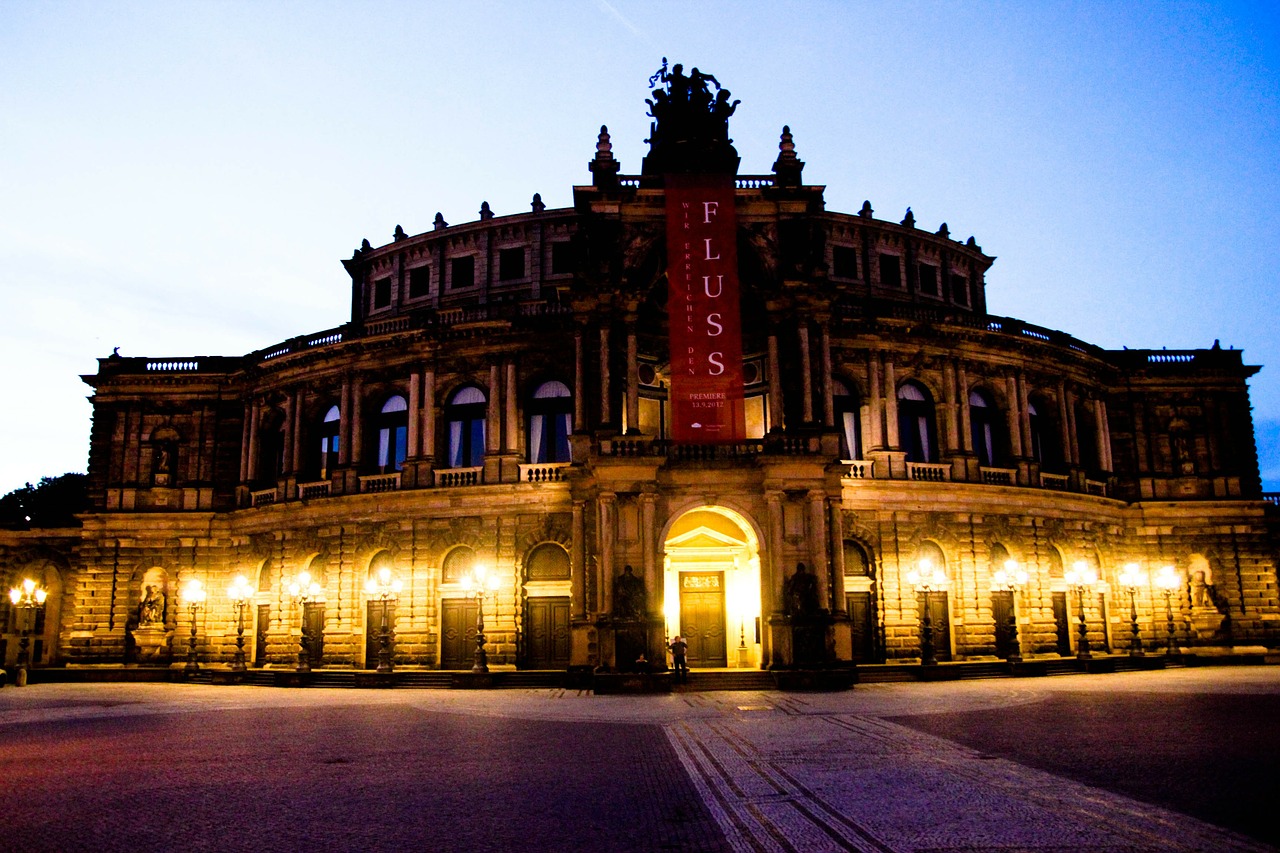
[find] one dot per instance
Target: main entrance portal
(712, 587)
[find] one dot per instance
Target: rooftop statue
(690, 127)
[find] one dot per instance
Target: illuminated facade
(500, 396)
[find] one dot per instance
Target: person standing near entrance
(678, 662)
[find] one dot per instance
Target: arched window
(549, 561)
(550, 422)
(984, 429)
(465, 416)
(457, 563)
(330, 429)
(916, 423)
(1087, 438)
(848, 420)
(393, 434)
(1045, 444)
(856, 563)
(999, 556)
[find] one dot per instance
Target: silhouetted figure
(630, 600)
(801, 594)
(679, 662)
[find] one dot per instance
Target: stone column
(246, 442)
(818, 545)
(1024, 414)
(606, 411)
(775, 386)
(493, 427)
(579, 561)
(649, 546)
(836, 516)
(344, 422)
(773, 499)
(1103, 432)
(806, 375)
(1013, 416)
(511, 442)
(633, 378)
(579, 385)
(1072, 431)
(607, 507)
(357, 420)
(966, 416)
(891, 404)
(251, 467)
(828, 389)
(1064, 424)
(875, 383)
(415, 414)
(951, 408)
(429, 414)
(296, 431)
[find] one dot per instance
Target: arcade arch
(711, 587)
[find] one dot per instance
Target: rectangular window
(890, 271)
(462, 272)
(960, 289)
(419, 282)
(928, 279)
(511, 264)
(844, 262)
(382, 293)
(561, 258)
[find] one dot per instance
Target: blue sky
(182, 179)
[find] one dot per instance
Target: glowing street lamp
(28, 597)
(385, 589)
(194, 595)
(926, 578)
(304, 591)
(475, 583)
(240, 592)
(1131, 577)
(1011, 578)
(1167, 579)
(1082, 575)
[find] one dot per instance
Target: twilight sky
(182, 179)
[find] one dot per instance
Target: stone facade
(499, 396)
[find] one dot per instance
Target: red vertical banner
(704, 309)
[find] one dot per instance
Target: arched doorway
(711, 588)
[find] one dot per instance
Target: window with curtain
(848, 420)
(550, 423)
(916, 423)
(984, 428)
(465, 415)
(330, 430)
(393, 434)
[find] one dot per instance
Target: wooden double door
(458, 633)
(702, 618)
(546, 631)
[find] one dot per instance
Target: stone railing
(1058, 482)
(859, 469)
(380, 482)
(262, 497)
(459, 477)
(307, 491)
(999, 476)
(543, 472)
(1096, 487)
(1271, 497)
(929, 472)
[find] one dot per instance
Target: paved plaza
(1182, 760)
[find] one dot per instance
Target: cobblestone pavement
(150, 767)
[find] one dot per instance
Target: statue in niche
(1202, 591)
(800, 594)
(151, 610)
(630, 600)
(162, 464)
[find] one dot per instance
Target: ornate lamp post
(475, 583)
(28, 598)
(1167, 579)
(926, 578)
(384, 589)
(240, 592)
(1081, 575)
(1131, 577)
(194, 595)
(1010, 579)
(303, 590)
